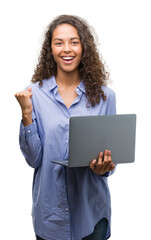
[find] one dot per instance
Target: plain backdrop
(123, 28)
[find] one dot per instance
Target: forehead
(65, 31)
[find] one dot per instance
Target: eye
(58, 43)
(75, 43)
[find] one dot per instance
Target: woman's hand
(101, 166)
(24, 99)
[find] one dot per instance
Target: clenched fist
(24, 99)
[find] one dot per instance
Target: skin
(65, 44)
(101, 166)
(24, 99)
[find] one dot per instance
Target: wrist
(26, 118)
(26, 111)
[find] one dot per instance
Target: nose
(67, 47)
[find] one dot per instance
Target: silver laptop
(89, 135)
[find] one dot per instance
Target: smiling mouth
(67, 60)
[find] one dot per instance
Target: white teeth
(67, 58)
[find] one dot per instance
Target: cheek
(55, 51)
(79, 55)
(80, 52)
(55, 58)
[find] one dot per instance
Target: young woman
(69, 80)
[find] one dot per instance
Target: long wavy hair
(91, 68)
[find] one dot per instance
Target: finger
(29, 89)
(106, 167)
(93, 164)
(28, 92)
(107, 160)
(100, 159)
(17, 94)
(23, 94)
(109, 166)
(105, 155)
(112, 166)
(109, 156)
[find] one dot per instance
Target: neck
(68, 78)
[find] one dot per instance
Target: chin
(70, 70)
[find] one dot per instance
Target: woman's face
(66, 48)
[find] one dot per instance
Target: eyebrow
(60, 39)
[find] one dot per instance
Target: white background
(123, 27)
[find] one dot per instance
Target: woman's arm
(24, 99)
(29, 139)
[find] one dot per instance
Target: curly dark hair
(91, 68)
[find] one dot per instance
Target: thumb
(29, 89)
(30, 93)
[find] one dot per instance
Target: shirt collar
(81, 86)
(52, 84)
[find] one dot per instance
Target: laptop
(89, 135)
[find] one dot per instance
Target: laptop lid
(90, 135)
